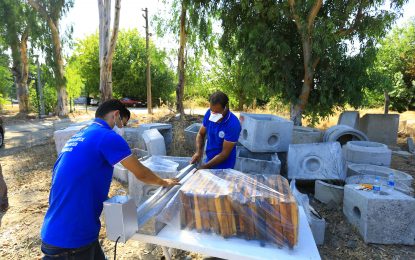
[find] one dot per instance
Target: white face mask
(215, 117)
(116, 129)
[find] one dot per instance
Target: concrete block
(326, 192)
(131, 135)
(343, 134)
(120, 173)
(190, 134)
(165, 130)
(385, 218)
(349, 118)
(256, 163)
(410, 143)
(371, 179)
(318, 228)
(63, 135)
(322, 161)
(367, 169)
(364, 152)
(154, 142)
(382, 128)
(265, 133)
(403, 154)
(306, 135)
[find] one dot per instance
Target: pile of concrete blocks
(262, 136)
(349, 118)
(306, 135)
(154, 142)
(190, 134)
(256, 163)
(343, 134)
(364, 152)
(63, 135)
(320, 161)
(166, 130)
(384, 218)
(382, 128)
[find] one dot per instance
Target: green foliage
(49, 91)
(74, 84)
(6, 78)
(395, 67)
(263, 36)
(128, 68)
(86, 59)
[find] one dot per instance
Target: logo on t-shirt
(221, 134)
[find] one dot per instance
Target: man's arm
(144, 174)
(200, 143)
(222, 156)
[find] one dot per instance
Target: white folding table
(233, 248)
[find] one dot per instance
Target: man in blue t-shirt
(222, 129)
(80, 184)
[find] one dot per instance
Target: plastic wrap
(232, 204)
(302, 200)
(157, 164)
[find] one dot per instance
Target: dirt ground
(28, 176)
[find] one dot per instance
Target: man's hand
(170, 182)
(196, 158)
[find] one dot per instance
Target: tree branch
(353, 27)
(295, 15)
(315, 63)
(39, 8)
(115, 28)
(42, 11)
(313, 14)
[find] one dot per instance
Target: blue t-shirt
(80, 184)
(228, 129)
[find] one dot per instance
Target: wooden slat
(289, 229)
(275, 227)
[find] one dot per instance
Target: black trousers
(92, 251)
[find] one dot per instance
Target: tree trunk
(20, 71)
(107, 47)
(181, 62)
(305, 29)
(62, 108)
(297, 109)
(53, 24)
(387, 102)
(22, 89)
(241, 102)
